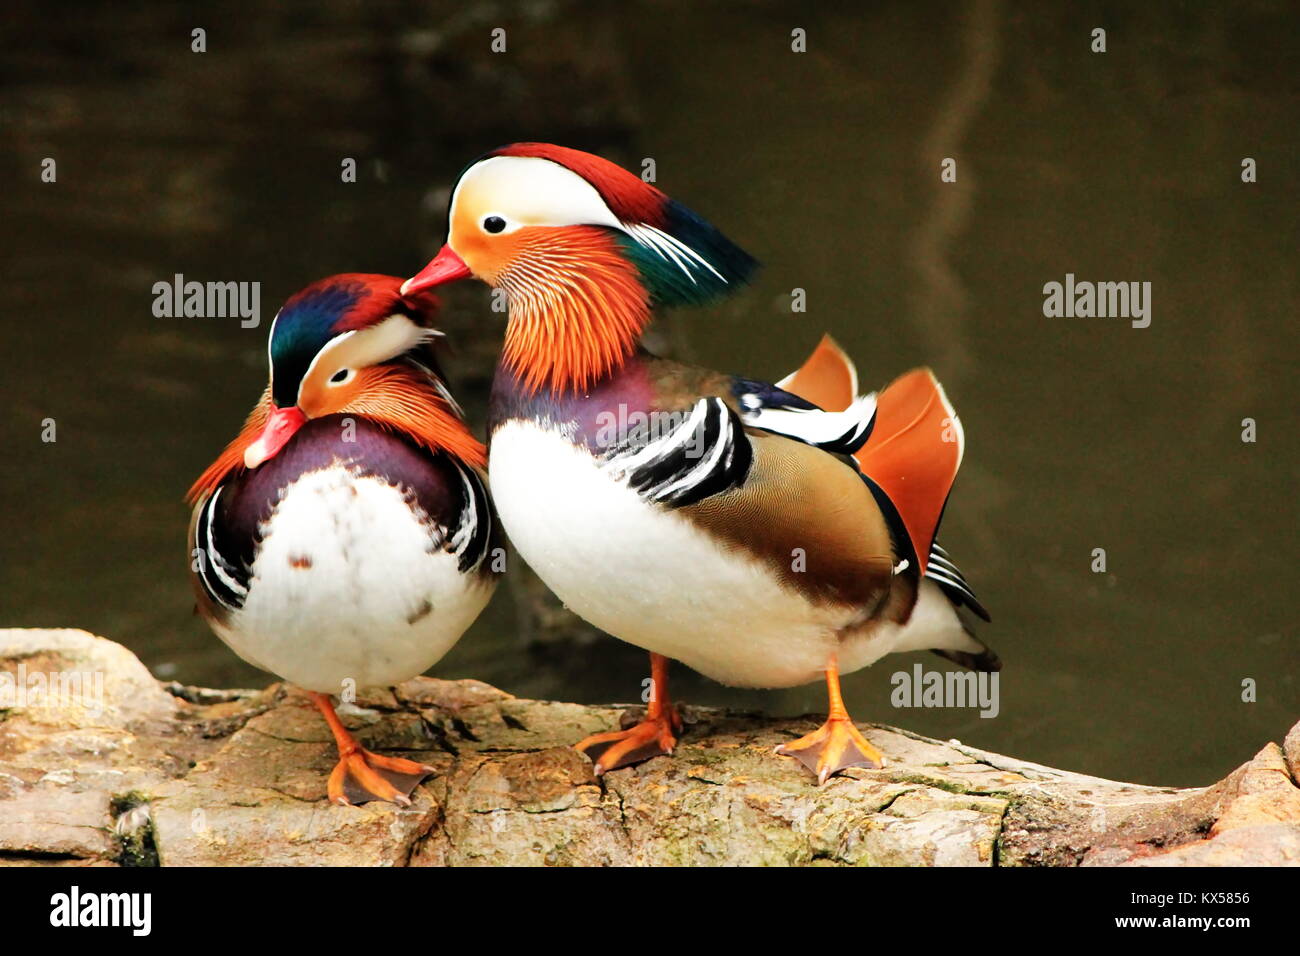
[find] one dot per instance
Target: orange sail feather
(916, 444)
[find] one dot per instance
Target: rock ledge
(143, 773)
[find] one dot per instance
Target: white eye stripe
(538, 192)
(332, 346)
(541, 192)
(362, 348)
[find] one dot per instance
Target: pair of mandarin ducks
(767, 535)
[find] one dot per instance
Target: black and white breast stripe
(679, 462)
(225, 581)
(472, 539)
(945, 573)
(773, 409)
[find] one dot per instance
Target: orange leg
(360, 775)
(836, 744)
(656, 734)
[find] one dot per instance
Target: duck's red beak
(445, 267)
(279, 428)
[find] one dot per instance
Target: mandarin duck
(343, 539)
(766, 535)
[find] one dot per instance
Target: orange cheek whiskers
(577, 307)
(399, 397)
(232, 457)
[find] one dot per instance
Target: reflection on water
(1082, 433)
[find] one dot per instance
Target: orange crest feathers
(399, 397)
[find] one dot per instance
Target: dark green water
(1082, 433)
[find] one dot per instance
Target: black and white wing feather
(223, 574)
(472, 539)
(773, 409)
(943, 572)
(677, 459)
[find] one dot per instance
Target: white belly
(648, 576)
(348, 586)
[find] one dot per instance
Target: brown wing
(811, 518)
(232, 457)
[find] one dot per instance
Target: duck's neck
(397, 396)
(584, 416)
(577, 308)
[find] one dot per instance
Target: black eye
(493, 224)
(340, 375)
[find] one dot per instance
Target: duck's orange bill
(279, 428)
(445, 267)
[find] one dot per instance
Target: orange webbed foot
(834, 746)
(362, 776)
(654, 736)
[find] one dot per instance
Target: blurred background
(1082, 433)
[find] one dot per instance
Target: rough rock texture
(149, 774)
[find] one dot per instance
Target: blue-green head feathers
(326, 309)
(687, 260)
